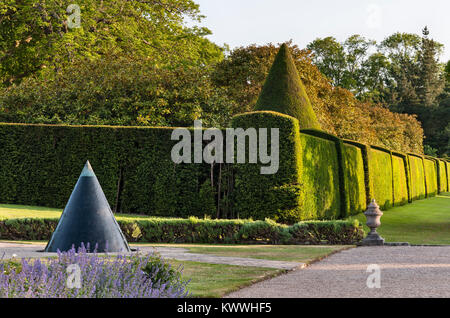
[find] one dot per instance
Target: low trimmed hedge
(194, 230)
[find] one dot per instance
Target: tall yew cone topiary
(285, 93)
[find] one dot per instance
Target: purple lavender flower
(112, 277)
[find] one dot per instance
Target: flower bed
(99, 277)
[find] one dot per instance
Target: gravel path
(404, 272)
(35, 250)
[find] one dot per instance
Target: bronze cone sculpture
(88, 219)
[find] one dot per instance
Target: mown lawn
(421, 222)
(12, 211)
(216, 280)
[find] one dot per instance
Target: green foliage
(35, 38)
(431, 181)
(430, 151)
(206, 201)
(193, 230)
(117, 90)
(403, 71)
(40, 165)
(284, 91)
(320, 178)
(447, 72)
(262, 231)
(365, 152)
(344, 63)
(354, 176)
(418, 190)
(161, 273)
(400, 178)
(447, 166)
(27, 229)
(277, 196)
(404, 74)
(320, 232)
(243, 72)
(442, 176)
(381, 169)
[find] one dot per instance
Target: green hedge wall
(400, 182)
(430, 177)
(443, 179)
(381, 168)
(276, 196)
(417, 173)
(354, 176)
(41, 163)
(320, 178)
(447, 168)
(152, 183)
(194, 230)
(365, 153)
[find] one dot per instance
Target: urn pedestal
(373, 215)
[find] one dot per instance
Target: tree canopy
(149, 62)
(243, 72)
(36, 37)
(402, 73)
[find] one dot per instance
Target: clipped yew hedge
(194, 230)
(400, 179)
(41, 163)
(443, 177)
(322, 176)
(430, 177)
(355, 177)
(380, 163)
(447, 169)
(276, 196)
(417, 173)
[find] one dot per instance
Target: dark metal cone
(87, 218)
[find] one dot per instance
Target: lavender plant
(101, 277)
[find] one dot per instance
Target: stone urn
(373, 215)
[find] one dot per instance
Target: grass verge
(13, 211)
(289, 253)
(216, 280)
(421, 222)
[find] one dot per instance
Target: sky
(244, 22)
